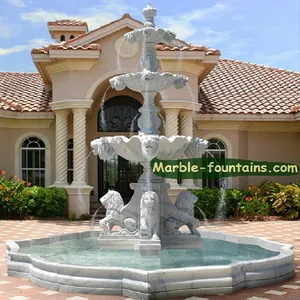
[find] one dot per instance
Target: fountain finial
(149, 13)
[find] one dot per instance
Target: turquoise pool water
(86, 252)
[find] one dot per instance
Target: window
(216, 149)
(33, 161)
(119, 114)
(70, 161)
(71, 37)
(62, 38)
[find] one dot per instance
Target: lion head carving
(112, 201)
(150, 145)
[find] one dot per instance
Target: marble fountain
(150, 257)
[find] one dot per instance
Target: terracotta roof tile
(23, 92)
(231, 87)
(208, 51)
(67, 23)
(240, 87)
(63, 46)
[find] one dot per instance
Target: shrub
(209, 199)
(47, 202)
(14, 196)
(287, 201)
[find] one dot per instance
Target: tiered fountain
(149, 257)
(150, 220)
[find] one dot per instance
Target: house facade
(48, 118)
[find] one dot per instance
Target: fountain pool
(224, 263)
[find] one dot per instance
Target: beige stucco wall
(11, 139)
(273, 146)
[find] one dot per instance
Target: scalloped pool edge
(154, 284)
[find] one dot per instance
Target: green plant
(233, 198)
(14, 196)
(47, 202)
(84, 217)
(207, 202)
(287, 201)
(72, 217)
(254, 208)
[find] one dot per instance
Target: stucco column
(61, 140)
(171, 129)
(79, 150)
(186, 129)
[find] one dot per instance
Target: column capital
(182, 105)
(61, 112)
(70, 104)
(75, 110)
(186, 113)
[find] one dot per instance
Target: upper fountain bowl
(145, 147)
(148, 81)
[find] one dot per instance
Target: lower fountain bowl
(156, 282)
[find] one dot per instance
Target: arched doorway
(118, 115)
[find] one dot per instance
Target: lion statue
(113, 203)
(149, 219)
(182, 214)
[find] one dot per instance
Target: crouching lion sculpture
(182, 213)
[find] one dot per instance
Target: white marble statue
(103, 148)
(113, 203)
(149, 216)
(182, 213)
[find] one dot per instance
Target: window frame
(41, 170)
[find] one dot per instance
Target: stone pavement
(21, 289)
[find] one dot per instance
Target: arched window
(216, 149)
(62, 38)
(71, 37)
(33, 161)
(119, 114)
(70, 161)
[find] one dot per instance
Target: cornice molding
(25, 123)
(71, 104)
(71, 65)
(246, 117)
(7, 114)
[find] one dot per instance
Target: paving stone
(24, 287)
(257, 298)
(290, 286)
(272, 292)
(49, 293)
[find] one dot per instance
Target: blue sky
(258, 31)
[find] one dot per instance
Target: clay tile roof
(208, 51)
(67, 23)
(63, 46)
(240, 87)
(23, 92)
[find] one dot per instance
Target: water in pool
(86, 252)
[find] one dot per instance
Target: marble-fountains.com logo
(210, 168)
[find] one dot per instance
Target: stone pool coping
(153, 284)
